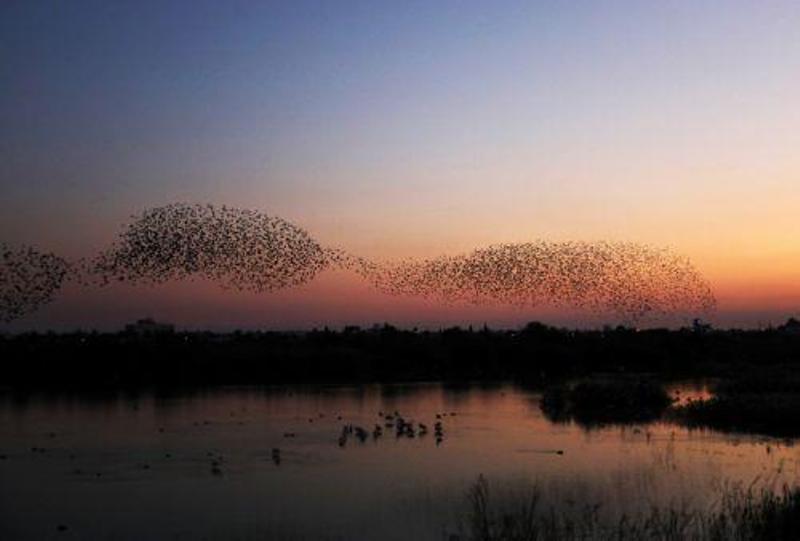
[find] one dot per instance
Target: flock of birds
(403, 428)
(28, 279)
(218, 462)
(625, 279)
(248, 250)
(239, 249)
(393, 422)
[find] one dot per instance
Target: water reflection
(266, 462)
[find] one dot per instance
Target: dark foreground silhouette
(741, 514)
(153, 355)
(617, 400)
(756, 373)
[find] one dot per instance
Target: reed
(740, 514)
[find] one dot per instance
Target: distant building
(792, 326)
(149, 327)
(700, 327)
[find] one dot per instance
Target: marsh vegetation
(738, 514)
(764, 401)
(618, 400)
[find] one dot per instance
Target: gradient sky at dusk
(406, 129)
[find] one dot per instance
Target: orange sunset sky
(408, 130)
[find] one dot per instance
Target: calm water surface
(141, 467)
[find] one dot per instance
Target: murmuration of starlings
(248, 250)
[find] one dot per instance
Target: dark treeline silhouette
(536, 355)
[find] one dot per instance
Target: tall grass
(740, 514)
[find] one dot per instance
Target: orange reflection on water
(154, 453)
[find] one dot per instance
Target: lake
(272, 463)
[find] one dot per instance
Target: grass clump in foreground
(609, 401)
(740, 515)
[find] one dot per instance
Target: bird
(249, 250)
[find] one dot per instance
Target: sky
(406, 129)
